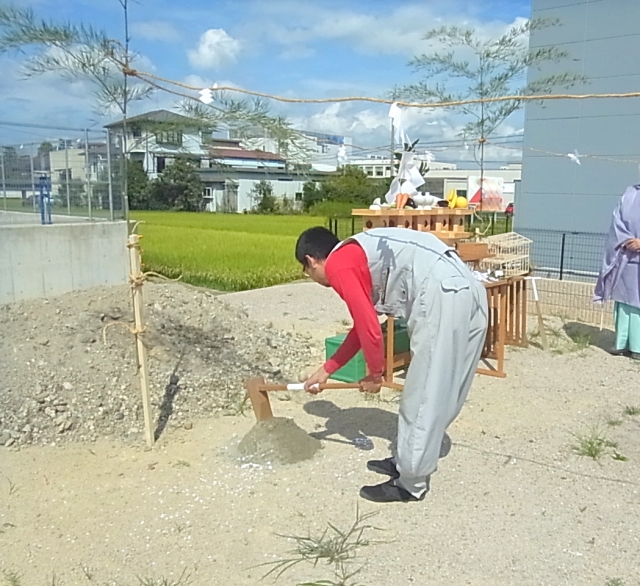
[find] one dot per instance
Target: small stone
(9, 443)
(188, 425)
(5, 437)
(67, 386)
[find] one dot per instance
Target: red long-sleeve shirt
(347, 271)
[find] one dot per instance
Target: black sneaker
(388, 492)
(385, 466)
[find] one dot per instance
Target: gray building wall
(556, 195)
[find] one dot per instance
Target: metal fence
(56, 176)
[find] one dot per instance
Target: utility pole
(4, 182)
(33, 178)
(66, 176)
(109, 174)
(87, 170)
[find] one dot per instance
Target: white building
(157, 138)
(379, 166)
(315, 149)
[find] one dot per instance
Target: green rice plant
(228, 261)
(249, 223)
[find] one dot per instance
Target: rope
(147, 77)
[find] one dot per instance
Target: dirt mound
(277, 440)
(61, 381)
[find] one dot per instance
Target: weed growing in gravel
(335, 547)
(581, 341)
(593, 444)
(183, 580)
(235, 403)
(632, 410)
(181, 464)
(12, 487)
(611, 422)
(11, 578)
(614, 582)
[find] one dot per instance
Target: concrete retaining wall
(42, 261)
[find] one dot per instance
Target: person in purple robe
(619, 278)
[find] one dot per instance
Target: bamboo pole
(137, 280)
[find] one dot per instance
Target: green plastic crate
(356, 369)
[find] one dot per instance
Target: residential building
(560, 203)
(157, 138)
(70, 163)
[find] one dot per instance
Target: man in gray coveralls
(412, 275)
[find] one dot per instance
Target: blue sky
(310, 48)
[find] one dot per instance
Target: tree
(311, 194)
(349, 186)
(77, 196)
(488, 68)
(262, 194)
(178, 188)
(43, 155)
(138, 182)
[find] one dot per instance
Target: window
(160, 164)
(169, 137)
(298, 196)
(136, 132)
(379, 172)
(461, 192)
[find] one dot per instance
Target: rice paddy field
(227, 252)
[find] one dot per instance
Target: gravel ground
(512, 502)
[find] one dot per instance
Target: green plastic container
(356, 369)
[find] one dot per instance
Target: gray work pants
(447, 328)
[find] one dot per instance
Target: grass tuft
(592, 444)
(11, 578)
(334, 547)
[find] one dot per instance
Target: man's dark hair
(316, 242)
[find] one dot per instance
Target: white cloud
(399, 31)
(215, 49)
(155, 30)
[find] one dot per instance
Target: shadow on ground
(587, 335)
(356, 425)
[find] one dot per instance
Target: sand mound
(277, 440)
